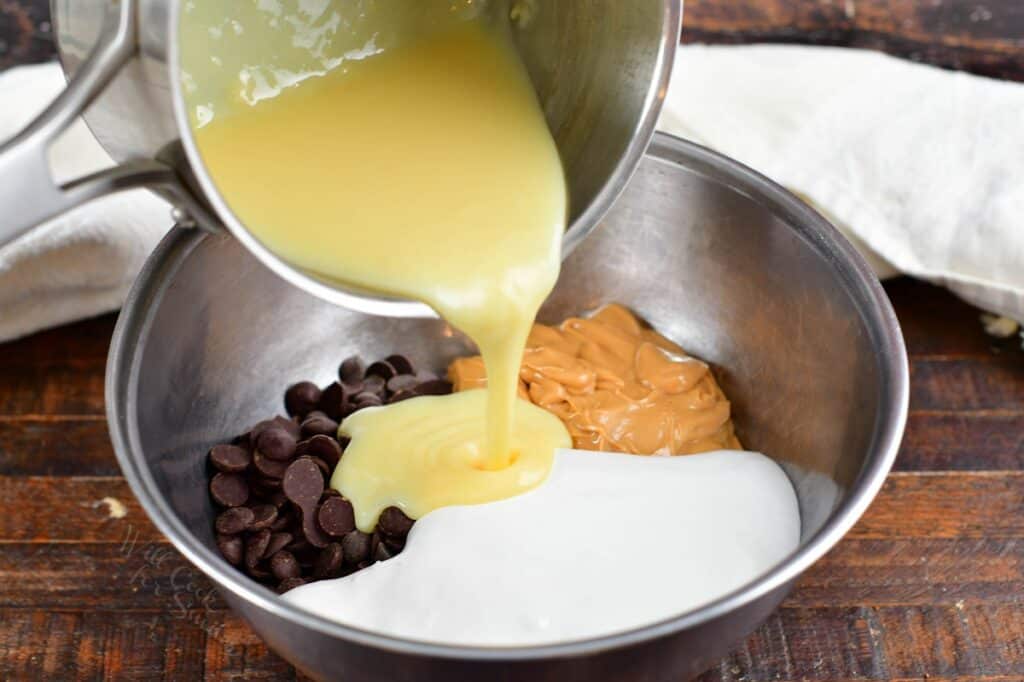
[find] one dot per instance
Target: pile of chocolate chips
(279, 522)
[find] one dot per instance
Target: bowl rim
(124, 363)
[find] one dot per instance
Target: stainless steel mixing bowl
(719, 258)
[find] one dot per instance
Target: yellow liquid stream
(426, 171)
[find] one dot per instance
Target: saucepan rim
(126, 353)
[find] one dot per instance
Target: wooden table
(928, 586)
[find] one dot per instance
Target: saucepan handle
(28, 193)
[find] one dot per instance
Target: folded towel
(81, 264)
(922, 169)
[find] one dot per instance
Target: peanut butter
(618, 386)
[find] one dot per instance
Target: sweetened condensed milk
(425, 170)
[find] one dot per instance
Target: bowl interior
(716, 258)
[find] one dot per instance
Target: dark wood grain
(986, 38)
(974, 440)
(57, 372)
(55, 445)
(947, 505)
(984, 383)
(916, 571)
(133, 645)
(943, 326)
(921, 643)
(49, 509)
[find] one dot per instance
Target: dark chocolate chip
(255, 545)
(311, 530)
(399, 396)
(229, 490)
(264, 486)
(400, 363)
(374, 542)
(382, 369)
(307, 558)
(367, 400)
(396, 545)
(283, 565)
(278, 541)
(334, 400)
(277, 498)
(324, 469)
(301, 398)
(291, 515)
(382, 553)
(257, 572)
(434, 387)
(299, 544)
(336, 516)
(303, 483)
(283, 522)
(289, 425)
(276, 443)
(324, 447)
(231, 459)
(230, 547)
(375, 385)
(319, 426)
(394, 522)
(234, 520)
(290, 584)
(264, 516)
(257, 429)
(269, 467)
(402, 382)
(243, 441)
(330, 561)
(357, 546)
(351, 370)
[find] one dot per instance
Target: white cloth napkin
(81, 264)
(922, 169)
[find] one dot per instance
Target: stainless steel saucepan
(600, 68)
